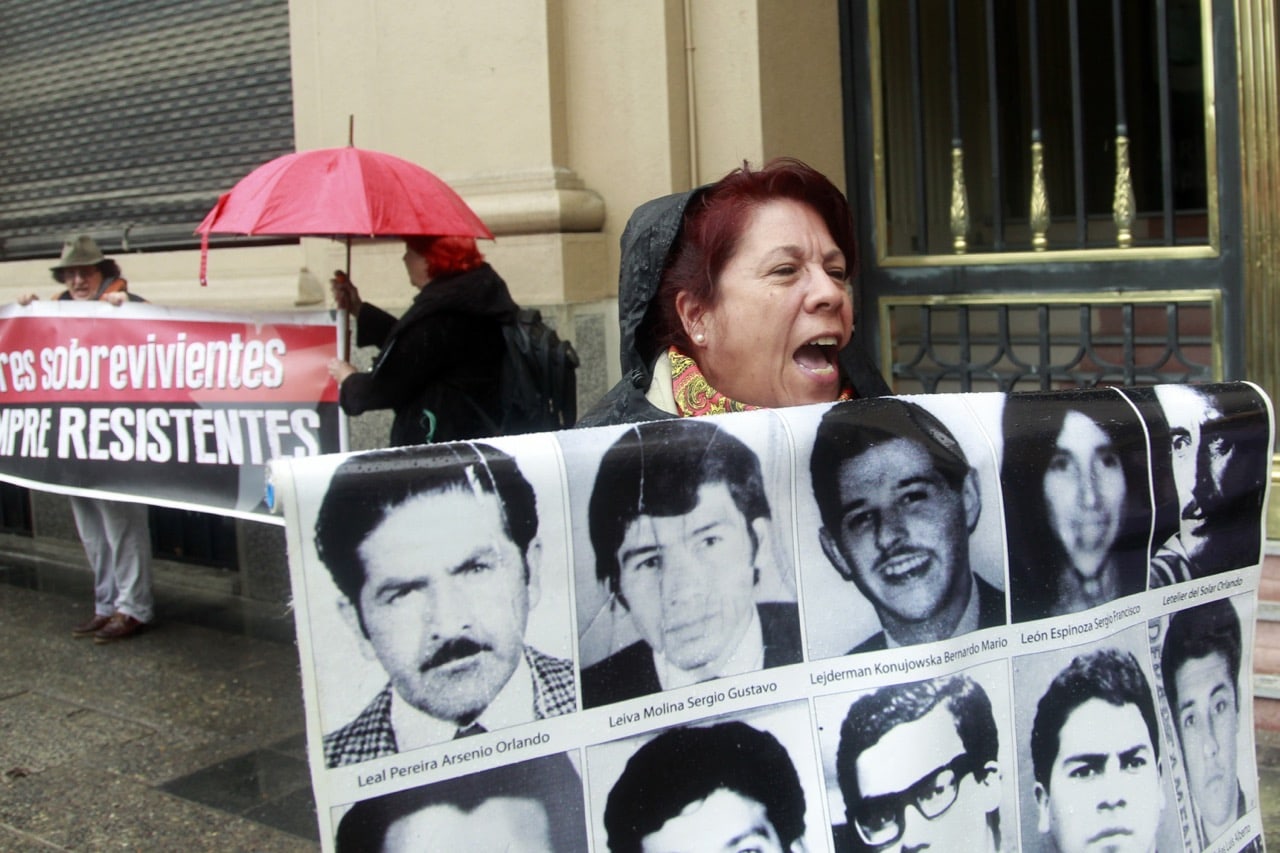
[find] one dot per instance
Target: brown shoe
(88, 629)
(119, 627)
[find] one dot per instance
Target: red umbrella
(340, 192)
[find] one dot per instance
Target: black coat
(646, 242)
(438, 362)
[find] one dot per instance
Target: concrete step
(1266, 685)
(1266, 646)
(1266, 714)
(1269, 585)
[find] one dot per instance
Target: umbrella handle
(344, 317)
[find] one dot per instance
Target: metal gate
(1040, 190)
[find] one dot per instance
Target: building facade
(555, 118)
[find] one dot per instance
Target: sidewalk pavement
(190, 734)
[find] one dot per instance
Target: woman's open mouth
(819, 355)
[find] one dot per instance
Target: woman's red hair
(446, 255)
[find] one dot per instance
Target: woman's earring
(699, 338)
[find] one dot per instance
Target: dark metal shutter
(125, 119)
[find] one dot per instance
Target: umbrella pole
(346, 317)
(344, 335)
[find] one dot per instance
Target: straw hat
(79, 251)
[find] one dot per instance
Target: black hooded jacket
(646, 243)
(439, 362)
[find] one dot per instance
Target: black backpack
(539, 387)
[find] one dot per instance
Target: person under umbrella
(439, 366)
(115, 534)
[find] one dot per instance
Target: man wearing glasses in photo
(917, 767)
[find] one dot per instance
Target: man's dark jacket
(630, 672)
(646, 243)
(439, 362)
(990, 613)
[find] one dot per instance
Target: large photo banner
(969, 622)
(161, 405)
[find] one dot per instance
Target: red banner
(166, 406)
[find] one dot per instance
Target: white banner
(165, 406)
(985, 621)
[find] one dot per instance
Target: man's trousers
(117, 541)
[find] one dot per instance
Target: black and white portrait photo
(1200, 666)
(431, 564)
(922, 765)
(1077, 502)
(1091, 760)
(534, 806)
(907, 516)
(746, 782)
(1210, 450)
(684, 575)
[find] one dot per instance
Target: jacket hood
(646, 242)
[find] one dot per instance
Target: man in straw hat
(115, 534)
(88, 275)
